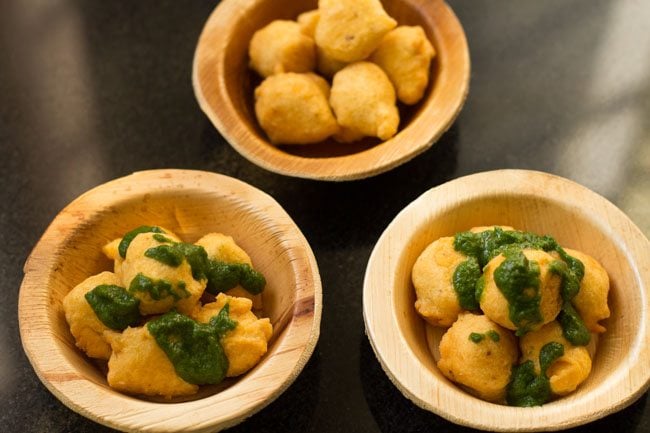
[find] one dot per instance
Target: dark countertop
(91, 91)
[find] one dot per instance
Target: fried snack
(566, 372)
(479, 354)
(432, 278)
(247, 343)
(591, 300)
(85, 326)
(349, 30)
(223, 248)
(495, 305)
(308, 22)
(293, 109)
(363, 100)
(280, 47)
(139, 366)
(405, 55)
(110, 251)
(184, 291)
(326, 65)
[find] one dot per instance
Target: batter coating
(484, 365)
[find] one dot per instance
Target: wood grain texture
(542, 203)
(224, 85)
(191, 204)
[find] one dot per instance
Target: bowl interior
(571, 228)
(191, 204)
(224, 86)
(538, 202)
(189, 217)
(241, 81)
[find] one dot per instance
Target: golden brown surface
(85, 326)
(432, 276)
(483, 367)
(139, 366)
(569, 370)
(292, 109)
(349, 30)
(496, 306)
(363, 100)
(280, 47)
(405, 55)
(247, 343)
(591, 300)
(136, 262)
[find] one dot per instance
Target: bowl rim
(423, 131)
(396, 356)
(110, 408)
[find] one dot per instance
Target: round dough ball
(432, 277)
(293, 109)
(496, 306)
(85, 326)
(483, 366)
(349, 30)
(139, 366)
(405, 55)
(591, 300)
(247, 343)
(279, 47)
(308, 22)
(363, 100)
(223, 248)
(566, 372)
(136, 263)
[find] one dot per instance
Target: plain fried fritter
(495, 305)
(247, 343)
(281, 47)
(591, 300)
(110, 250)
(363, 100)
(349, 30)
(483, 366)
(137, 263)
(405, 55)
(139, 366)
(325, 64)
(566, 372)
(432, 277)
(293, 109)
(85, 326)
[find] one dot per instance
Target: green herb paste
(113, 306)
(126, 240)
(221, 276)
(515, 273)
(194, 348)
(475, 337)
(465, 279)
(158, 289)
(526, 388)
(518, 279)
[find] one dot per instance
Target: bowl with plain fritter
(427, 357)
(188, 204)
(261, 117)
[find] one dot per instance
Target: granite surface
(94, 90)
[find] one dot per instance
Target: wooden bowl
(223, 85)
(190, 203)
(542, 203)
